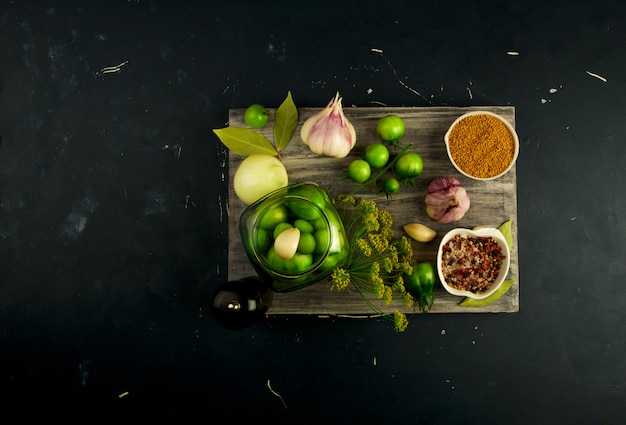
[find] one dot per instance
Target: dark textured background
(113, 203)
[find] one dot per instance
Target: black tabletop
(114, 211)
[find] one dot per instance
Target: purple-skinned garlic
(446, 200)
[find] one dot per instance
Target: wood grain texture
(492, 203)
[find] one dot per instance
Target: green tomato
(263, 240)
(306, 210)
(273, 216)
(331, 261)
(280, 228)
(390, 128)
(408, 166)
(306, 244)
(274, 261)
(309, 192)
(376, 155)
(320, 223)
(421, 284)
(359, 171)
(303, 225)
(322, 241)
(390, 186)
(256, 116)
(299, 263)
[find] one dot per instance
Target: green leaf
(506, 231)
(245, 141)
(472, 302)
(285, 122)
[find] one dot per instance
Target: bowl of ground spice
(473, 263)
(482, 145)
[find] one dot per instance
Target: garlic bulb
(446, 200)
(329, 132)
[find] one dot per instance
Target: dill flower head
(364, 246)
(400, 322)
(340, 279)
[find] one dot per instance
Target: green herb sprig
(376, 260)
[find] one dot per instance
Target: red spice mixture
(471, 263)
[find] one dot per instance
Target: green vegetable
(376, 155)
(306, 244)
(307, 203)
(421, 284)
(359, 171)
(390, 186)
(390, 128)
(256, 116)
(408, 166)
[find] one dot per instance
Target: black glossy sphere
(238, 304)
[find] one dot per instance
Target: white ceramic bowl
(483, 232)
(506, 124)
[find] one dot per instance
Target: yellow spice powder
(481, 145)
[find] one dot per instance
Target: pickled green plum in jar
(318, 246)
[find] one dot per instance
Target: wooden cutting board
(492, 203)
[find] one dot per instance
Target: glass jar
(322, 245)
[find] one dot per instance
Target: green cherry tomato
(310, 193)
(263, 240)
(273, 216)
(256, 116)
(299, 263)
(390, 186)
(274, 260)
(280, 228)
(322, 241)
(359, 170)
(331, 261)
(310, 210)
(421, 284)
(390, 128)
(408, 166)
(376, 155)
(304, 210)
(303, 225)
(306, 244)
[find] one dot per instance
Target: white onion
(258, 175)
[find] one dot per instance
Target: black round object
(238, 304)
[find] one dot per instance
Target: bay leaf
(245, 141)
(472, 302)
(285, 122)
(506, 231)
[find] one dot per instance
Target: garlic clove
(286, 243)
(419, 232)
(329, 132)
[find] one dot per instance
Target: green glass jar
(322, 243)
